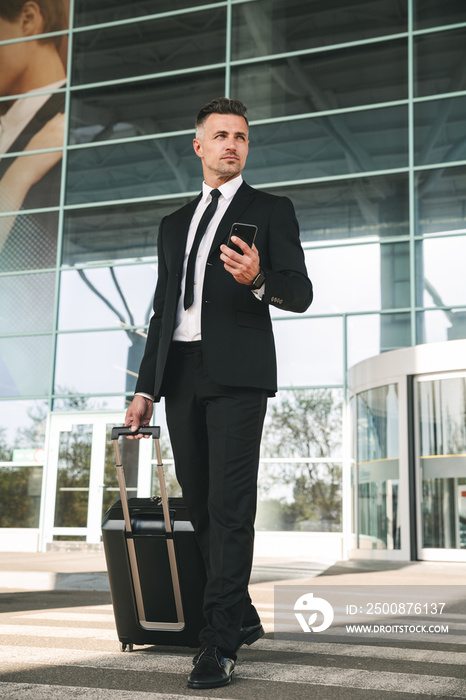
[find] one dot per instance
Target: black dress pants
(215, 433)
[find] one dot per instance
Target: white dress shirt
(20, 114)
(188, 321)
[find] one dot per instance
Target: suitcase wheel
(126, 646)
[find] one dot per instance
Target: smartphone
(247, 233)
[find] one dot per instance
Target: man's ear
(32, 21)
(197, 145)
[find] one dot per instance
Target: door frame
(62, 421)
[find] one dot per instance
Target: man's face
(223, 145)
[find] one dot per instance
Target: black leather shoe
(212, 670)
(249, 635)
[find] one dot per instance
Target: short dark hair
(221, 105)
(53, 12)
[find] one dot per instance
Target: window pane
(294, 495)
(277, 26)
(334, 145)
(359, 278)
(438, 326)
(27, 303)
(93, 363)
(105, 297)
(25, 365)
(302, 358)
(376, 333)
(378, 424)
(442, 525)
(441, 200)
(23, 427)
(73, 474)
(101, 233)
(304, 423)
(343, 78)
(100, 11)
(438, 62)
(442, 426)
(439, 131)
(31, 242)
(20, 492)
(154, 46)
(329, 211)
(46, 193)
(147, 107)
(433, 13)
(124, 171)
(378, 468)
(443, 285)
(442, 431)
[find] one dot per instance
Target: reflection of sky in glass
(436, 325)
(90, 363)
(309, 351)
(363, 338)
(345, 279)
(25, 365)
(15, 416)
(443, 260)
(81, 307)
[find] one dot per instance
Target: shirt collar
(227, 190)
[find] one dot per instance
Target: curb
(53, 581)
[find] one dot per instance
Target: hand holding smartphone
(247, 233)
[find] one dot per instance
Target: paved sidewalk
(86, 570)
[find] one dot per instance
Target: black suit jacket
(237, 339)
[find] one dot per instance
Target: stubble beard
(229, 170)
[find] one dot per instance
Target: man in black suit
(210, 351)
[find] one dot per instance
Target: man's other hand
(138, 414)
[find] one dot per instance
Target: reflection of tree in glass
(73, 473)
(304, 424)
(136, 337)
(19, 490)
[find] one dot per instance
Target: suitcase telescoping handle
(154, 432)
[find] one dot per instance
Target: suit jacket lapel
(239, 203)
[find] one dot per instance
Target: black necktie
(201, 229)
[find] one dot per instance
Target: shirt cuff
(146, 396)
(259, 293)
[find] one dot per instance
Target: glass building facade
(356, 114)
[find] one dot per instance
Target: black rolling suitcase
(155, 567)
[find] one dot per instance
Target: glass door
(441, 466)
(378, 501)
(81, 480)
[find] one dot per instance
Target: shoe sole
(205, 686)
